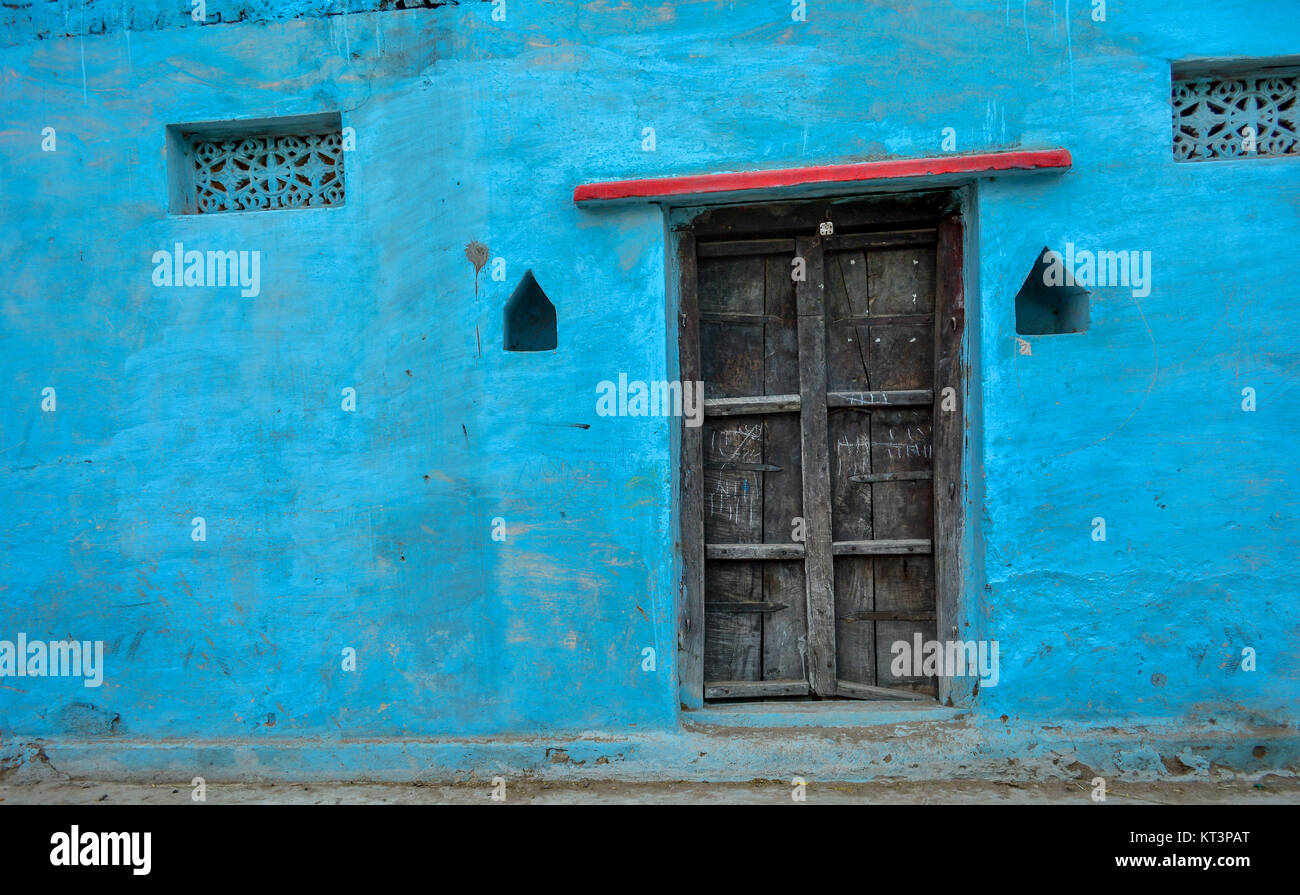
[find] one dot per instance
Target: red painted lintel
(888, 169)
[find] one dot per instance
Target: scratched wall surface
(372, 530)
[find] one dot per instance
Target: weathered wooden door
(810, 491)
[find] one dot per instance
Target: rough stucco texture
(372, 530)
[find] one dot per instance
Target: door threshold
(825, 713)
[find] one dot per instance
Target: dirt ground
(1274, 790)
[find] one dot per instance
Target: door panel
(844, 365)
(880, 338)
(755, 609)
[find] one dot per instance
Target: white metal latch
(826, 228)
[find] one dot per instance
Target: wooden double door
(820, 494)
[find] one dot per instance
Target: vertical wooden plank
(902, 441)
(903, 584)
(731, 353)
(855, 636)
(690, 632)
(733, 514)
(891, 354)
(901, 356)
(819, 563)
(731, 357)
(733, 641)
(849, 432)
(848, 355)
(784, 631)
(902, 282)
(949, 435)
(733, 488)
(847, 348)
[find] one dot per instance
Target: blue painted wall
(372, 530)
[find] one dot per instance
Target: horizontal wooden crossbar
(855, 690)
(737, 466)
(898, 547)
(733, 248)
(875, 478)
(886, 615)
(754, 551)
(747, 606)
(851, 241)
(753, 689)
(740, 319)
(755, 404)
(901, 398)
(886, 319)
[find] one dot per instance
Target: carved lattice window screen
(1250, 115)
(267, 172)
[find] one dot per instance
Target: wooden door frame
(801, 219)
